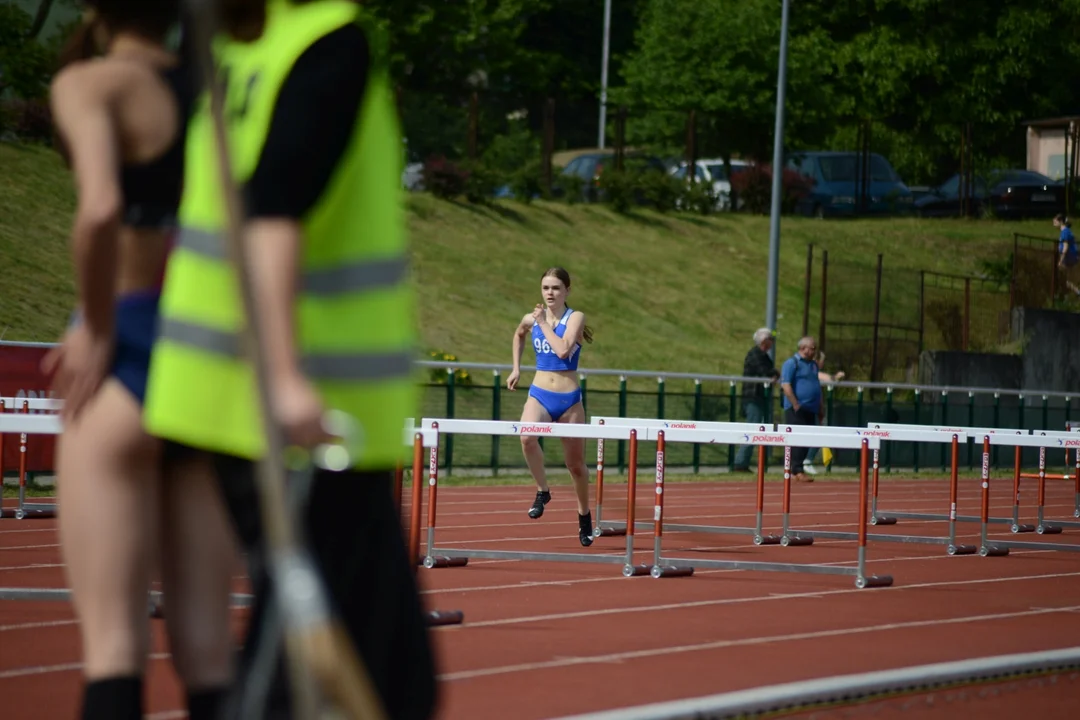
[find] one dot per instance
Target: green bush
(620, 189)
(571, 188)
(698, 197)
(660, 190)
(527, 182)
(481, 181)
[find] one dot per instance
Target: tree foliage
(918, 69)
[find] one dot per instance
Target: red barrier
(21, 377)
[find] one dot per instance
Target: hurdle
(900, 435)
(18, 423)
(972, 433)
(438, 557)
(420, 439)
(1002, 547)
(1063, 440)
(604, 528)
(675, 567)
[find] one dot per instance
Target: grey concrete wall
(960, 369)
(1051, 350)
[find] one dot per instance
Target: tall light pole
(777, 173)
(603, 72)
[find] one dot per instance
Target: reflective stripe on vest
(330, 367)
(360, 276)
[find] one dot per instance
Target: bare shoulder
(527, 321)
(91, 82)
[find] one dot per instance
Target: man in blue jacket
(802, 397)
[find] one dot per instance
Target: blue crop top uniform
(556, 404)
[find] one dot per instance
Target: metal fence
(875, 320)
(477, 391)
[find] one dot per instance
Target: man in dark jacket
(757, 364)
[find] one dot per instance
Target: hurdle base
(1048, 530)
(874, 581)
(993, 551)
(1022, 528)
(882, 520)
(665, 571)
(441, 618)
(609, 532)
(443, 562)
(766, 539)
(30, 513)
(795, 541)
(961, 549)
(636, 570)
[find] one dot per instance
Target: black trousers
(355, 535)
(802, 417)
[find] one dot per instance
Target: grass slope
(36, 205)
(674, 292)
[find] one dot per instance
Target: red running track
(542, 640)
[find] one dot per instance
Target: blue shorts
(555, 403)
(136, 329)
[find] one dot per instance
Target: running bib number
(541, 346)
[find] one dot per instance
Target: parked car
(713, 171)
(835, 176)
(1005, 193)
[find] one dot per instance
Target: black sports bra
(152, 189)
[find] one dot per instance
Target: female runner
(120, 104)
(555, 395)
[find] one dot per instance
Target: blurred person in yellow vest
(315, 146)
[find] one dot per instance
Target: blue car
(836, 180)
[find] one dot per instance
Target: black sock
(205, 704)
(118, 698)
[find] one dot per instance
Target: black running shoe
(542, 499)
(585, 533)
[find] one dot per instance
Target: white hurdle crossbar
(887, 517)
(1002, 547)
(606, 528)
(663, 567)
(26, 424)
(449, 557)
(897, 435)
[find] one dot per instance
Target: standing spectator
(802, 397)
(824, 377)
(757, 364)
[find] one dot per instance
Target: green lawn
(675, 293)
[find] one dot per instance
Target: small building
(1051, 145)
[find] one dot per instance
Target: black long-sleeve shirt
(757, 364)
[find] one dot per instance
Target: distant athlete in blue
(555, 394)
(1067, 253)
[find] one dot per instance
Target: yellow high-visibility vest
(355, 307)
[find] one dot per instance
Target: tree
(720, 58)
(25, 65)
